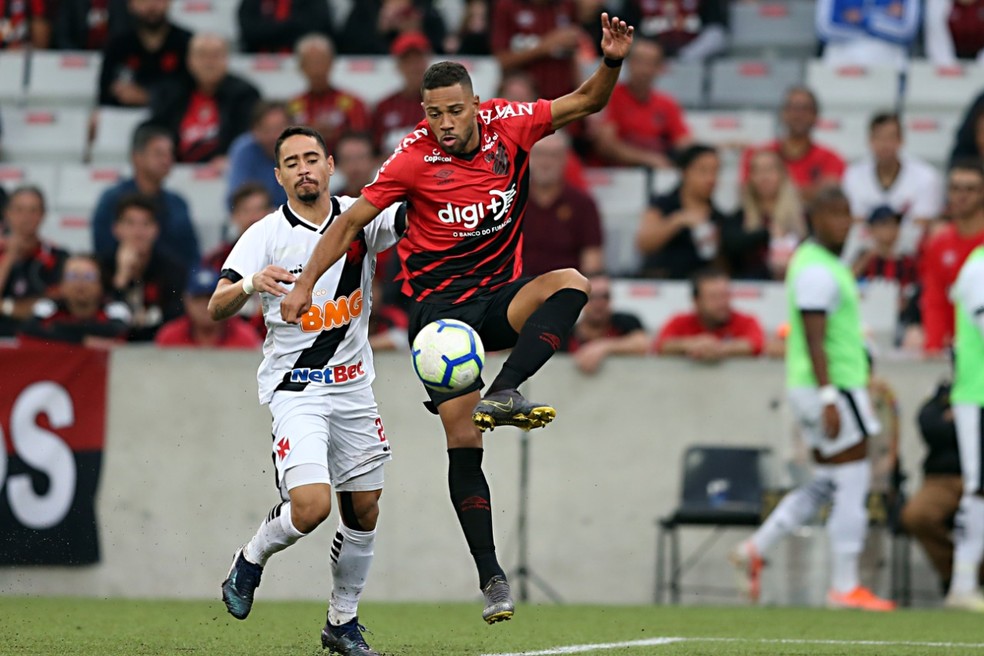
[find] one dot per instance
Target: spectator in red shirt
(81, 314)
(641, 126)
(196, 328)
(954, 30)
(599, 332)
(398, 114)
(946, 251)
(540, 37)
(328, 110)
(276, 25)
(688, 30)
(562, 227)
(810, 166)
(25, 23)
(713, 331)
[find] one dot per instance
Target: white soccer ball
(448, 355)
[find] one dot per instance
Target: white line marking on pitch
(651, 642)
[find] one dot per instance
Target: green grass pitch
(47, 626)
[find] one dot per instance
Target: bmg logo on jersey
(469, 216)
(341, 373)
(333, 313)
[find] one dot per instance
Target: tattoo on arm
(234, 304)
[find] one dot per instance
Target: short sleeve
(248, 255)
(524, 122)
(387, 228)
(815, 290)
(392, 182)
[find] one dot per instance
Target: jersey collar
(294, 220)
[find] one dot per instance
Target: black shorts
(487, 314)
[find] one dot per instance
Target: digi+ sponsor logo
(469, 216)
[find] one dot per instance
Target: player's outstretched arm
(329, 249)
(229, 297)
(593, 94)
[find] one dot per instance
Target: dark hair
(293, 131)
(827, 196)
(356, 135)
(264, 107)
(684, 158)
(884, 118)
(703, 275)
(967, 164)
(446, 74)
(146, 132)
(29, 189)
(247, 189)
(138, 200)
(805, 91)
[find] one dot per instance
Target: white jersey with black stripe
(329, 352)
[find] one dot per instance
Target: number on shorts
(379, 429)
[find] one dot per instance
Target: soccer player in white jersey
(316, 377)
(827, 383)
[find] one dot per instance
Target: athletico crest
(499, 159)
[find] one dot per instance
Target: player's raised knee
(309, 506)
(565, 279)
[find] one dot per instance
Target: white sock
(968, 544)
(796, 509)
(351, 556)
(847, 524)
(276, 533)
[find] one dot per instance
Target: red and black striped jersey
(464, 214)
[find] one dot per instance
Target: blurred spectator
(810, 165)
(277, 25)
(641, 126)
(139, 273)
(870, 33)
(251, 154)
(151, 51)
(398, 114)
(29, 267)
(89, 24)
(355, 161)
(759, 239)
(25, 24)
(473, 36)
(250, 203)
(151, 156)
(688, 30)
(946, 251)
(540, 37)
(81, 314)
(562, 227)
(889, 177)
(680, 232)
(328, 110)
(928, 515)
(387, 323)
(970, 135)
(883, 447)
(599, 332)
(713, 331)
(954, 30)
(206, 111)
(390, 19)
(883, 261)
(196, 327)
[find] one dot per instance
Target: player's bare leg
(543, 313)
(473, 503)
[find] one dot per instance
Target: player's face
(714, 301)
(832, 224)
(25, 211)
(451, 115)
(304, 170)
(885, 142)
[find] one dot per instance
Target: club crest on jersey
(469, 216)
(499, 159)
(437, 157)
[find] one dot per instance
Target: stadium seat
(930, 136)
(80, 186)
(276, 76)
(773, 28)
(12, 70)
(369, 78)
(205, 190)
(114, 130)
(931, 88)
(732, 129)
(215, 16)
(759, 83)
(845, 132)
(69, 230)
(63, 78)
(722, 487)
(42, 176)
(44, 135)
(621, 197)
(869, 89)
(684, 81)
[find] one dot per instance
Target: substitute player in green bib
(827, 380)
(967, 397)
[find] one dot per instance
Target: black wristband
(612, 63)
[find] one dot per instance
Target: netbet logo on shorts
(342, 373)
(470, 216)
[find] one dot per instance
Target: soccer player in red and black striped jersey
(464, 174)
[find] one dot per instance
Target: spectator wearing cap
(196, 328)
(397, 115)
(328, 110)
(251, 154)
(601, 332)
(713, 331)
(266, 26)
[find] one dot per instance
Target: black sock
(472, 502)
(543, 334)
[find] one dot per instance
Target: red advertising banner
(52, 428)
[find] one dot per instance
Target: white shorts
(341, 432)
(969, 424)
(857, 419)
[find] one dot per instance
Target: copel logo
(436, 157)
(470, 215)
(341, 373)
(332, 313)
